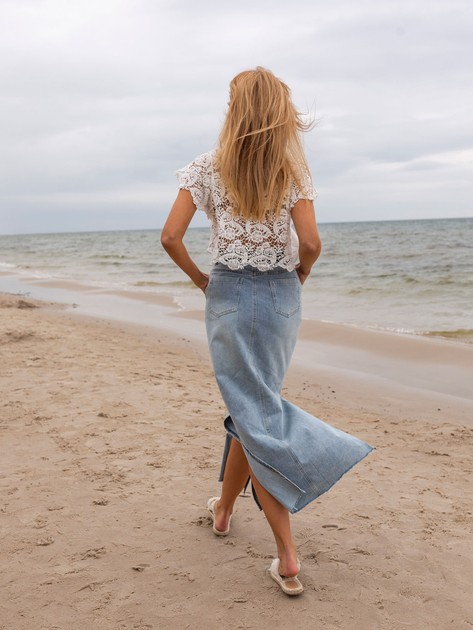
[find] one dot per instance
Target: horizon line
(204, 227)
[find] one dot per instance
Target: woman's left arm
(172, 236)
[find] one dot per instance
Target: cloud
(101, 101)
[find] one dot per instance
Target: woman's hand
(203, 282)
(302, 275)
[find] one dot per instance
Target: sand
(111, 440)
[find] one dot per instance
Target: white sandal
(289, 585)
(210, 506)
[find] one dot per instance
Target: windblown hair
(259, 152)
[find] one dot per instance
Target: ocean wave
(362, 290)
(462, 334)
(150, 283)
(107, 256)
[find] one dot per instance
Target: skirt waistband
(250, 270)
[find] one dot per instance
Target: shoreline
(184, 300)
(433, 375)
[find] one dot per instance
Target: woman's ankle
(288, 560)
(223, 508)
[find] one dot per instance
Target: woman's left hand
(302, 275)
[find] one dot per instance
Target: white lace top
(239, 242)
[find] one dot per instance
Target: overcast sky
(102, 100)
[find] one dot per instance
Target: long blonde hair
(259, 151)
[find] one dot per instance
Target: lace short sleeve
(196, 178)
(307, 191)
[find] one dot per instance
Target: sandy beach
(111, 440)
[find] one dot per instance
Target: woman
(251, 187)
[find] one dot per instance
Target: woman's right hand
(204, 282)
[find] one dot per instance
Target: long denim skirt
(252, 319)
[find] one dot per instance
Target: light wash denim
(252, 319)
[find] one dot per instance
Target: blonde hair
(259, 152)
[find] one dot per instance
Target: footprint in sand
(40, 522)
(93, 553)
(363, 552)
(140, 567)
(101, 501)
(202, 521)
(331, 526)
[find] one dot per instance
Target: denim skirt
(252, 319)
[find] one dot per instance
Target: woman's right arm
(310, 245)
(173, 233)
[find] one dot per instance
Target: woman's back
(237, 241)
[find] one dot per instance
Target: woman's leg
(236, 473)
(278, 519)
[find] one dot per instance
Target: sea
(410, 277)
